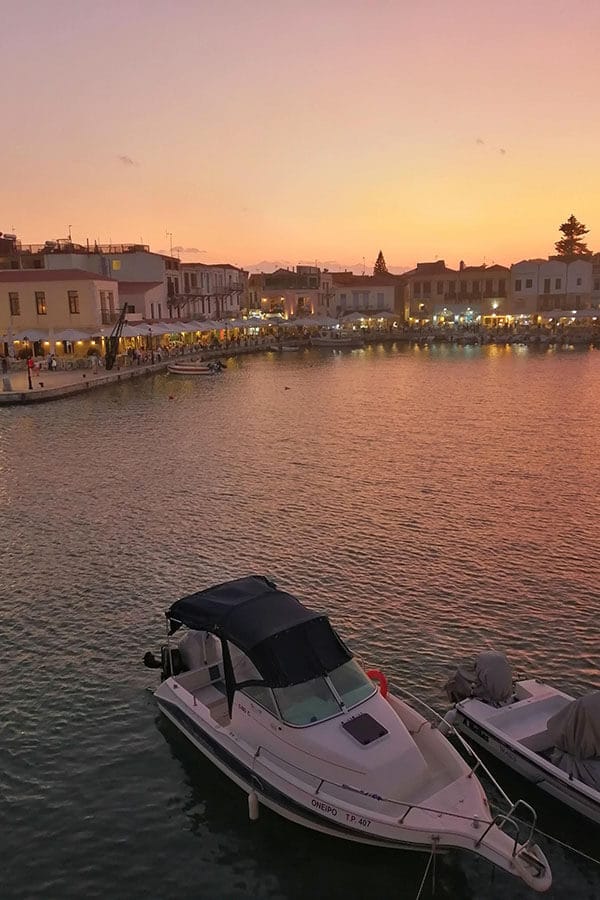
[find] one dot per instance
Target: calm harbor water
(433, 501)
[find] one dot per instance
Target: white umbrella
(354, 317)
(209, 325)
(71, 334)
(31, 334)
(130, 331)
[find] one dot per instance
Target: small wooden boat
(191, 368)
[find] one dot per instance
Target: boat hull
(191, 370)
(339, 344)
(267, 794)
(530, 765)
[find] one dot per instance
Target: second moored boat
(544, 734)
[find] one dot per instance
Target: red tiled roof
(13, 275)
(137, 287)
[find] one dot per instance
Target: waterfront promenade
(82, 377)
(49, 385)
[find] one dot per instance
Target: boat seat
(537, 742)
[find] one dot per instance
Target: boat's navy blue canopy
(287, 642)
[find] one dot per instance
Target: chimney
(461, 265)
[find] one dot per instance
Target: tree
(571, 244)
(380, 267)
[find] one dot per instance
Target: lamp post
(29, 365)
(151, 344)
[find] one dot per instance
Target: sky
(251, 131)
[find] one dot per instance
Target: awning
(288, 643)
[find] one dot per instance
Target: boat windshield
(314, 700)
(351, 683)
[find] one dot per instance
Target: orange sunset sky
(299, 131)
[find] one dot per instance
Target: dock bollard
(253, 806)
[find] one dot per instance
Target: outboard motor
(166, 657)
(151, 662)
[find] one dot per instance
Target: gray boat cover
(575, 733)
(488, 678)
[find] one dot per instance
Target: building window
(417, 288)
(557, 284)
(502, 287)
(440, 287)
(518, 284)
(597, 284)
(546, 285)
(476, 287)
(452, 287)
(73, 302)
(13, 302)
(578, 282)
(463, 287)
(427, 288)
(529, 283)
(489, 287)
(194, 279)
(160, 310)
(40, 303)
(380, 300)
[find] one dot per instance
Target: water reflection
(433, 500)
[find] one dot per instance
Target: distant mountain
(332, 264)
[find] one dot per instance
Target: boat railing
(479, 763)
(404, 807)
(508, 818)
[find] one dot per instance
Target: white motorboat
(544, 734)
(267, 691)
(192, 368)
(337, 339)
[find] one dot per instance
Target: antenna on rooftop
(69, 230)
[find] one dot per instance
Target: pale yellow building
(37, 306)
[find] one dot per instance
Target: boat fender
(253, 806)
(379, 677)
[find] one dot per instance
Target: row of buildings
(62, 286)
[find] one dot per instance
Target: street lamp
(29, 364)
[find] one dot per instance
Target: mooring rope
(426, 872)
